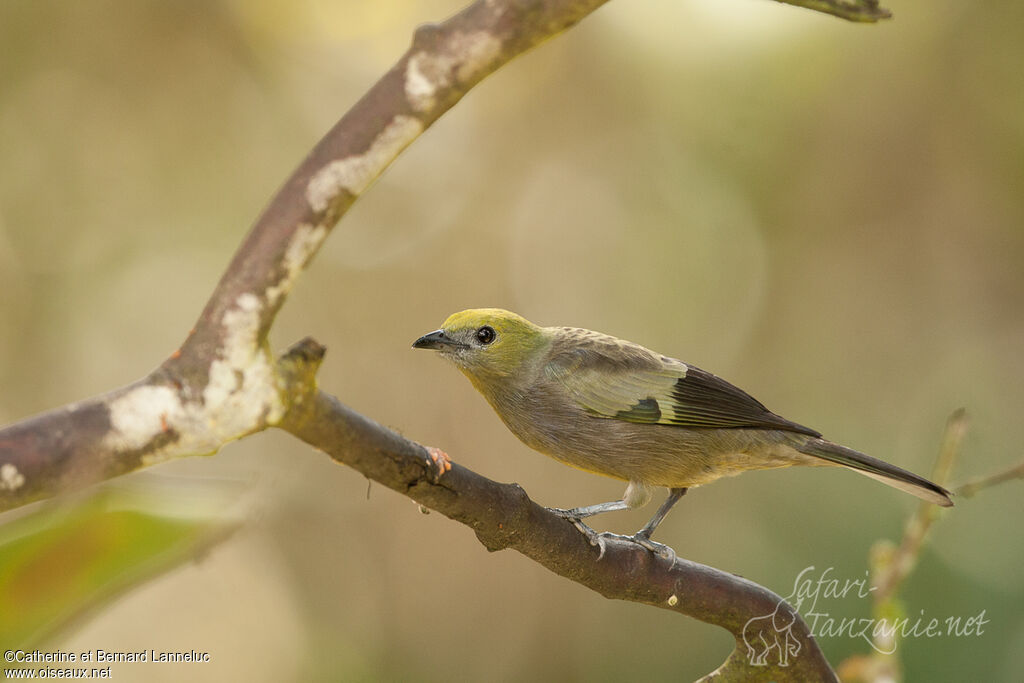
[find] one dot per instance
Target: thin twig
(903, 560)
(972, 487)
(891, 565)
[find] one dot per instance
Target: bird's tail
(877, 469)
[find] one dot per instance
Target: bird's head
(486, 343)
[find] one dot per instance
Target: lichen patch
(241, 395)
(478, 49)
(354, 173)
(419, 87)
(303, 245)
(242, 388)
(463, 57)
(140, 414)
(10, 478)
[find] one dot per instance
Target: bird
(612, 407)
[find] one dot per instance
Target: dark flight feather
(613, 378)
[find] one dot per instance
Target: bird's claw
(439, 463)
(596, 538)
(660, 549)
(599, 539)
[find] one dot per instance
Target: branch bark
(503, 516)
(223, 384)
(867, 11)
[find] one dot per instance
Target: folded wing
(615, 379)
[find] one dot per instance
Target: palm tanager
(612, 407)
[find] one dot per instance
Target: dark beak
(435, 340)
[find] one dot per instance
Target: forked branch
(224, 384)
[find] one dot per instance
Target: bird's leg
(637, 495)
(643, 537)
(576, 515)
(590, 510)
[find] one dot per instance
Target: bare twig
(891, 565)
(898, 564)
(972, 487)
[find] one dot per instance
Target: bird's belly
(660, 455)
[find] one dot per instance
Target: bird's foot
(439, 463)
(660, 549)
(596, 539)
(599, 539)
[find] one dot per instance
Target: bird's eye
(485, 335)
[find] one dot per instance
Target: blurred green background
(829, 215)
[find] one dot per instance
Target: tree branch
(223, 383)
(503, 516)
(867, 11)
